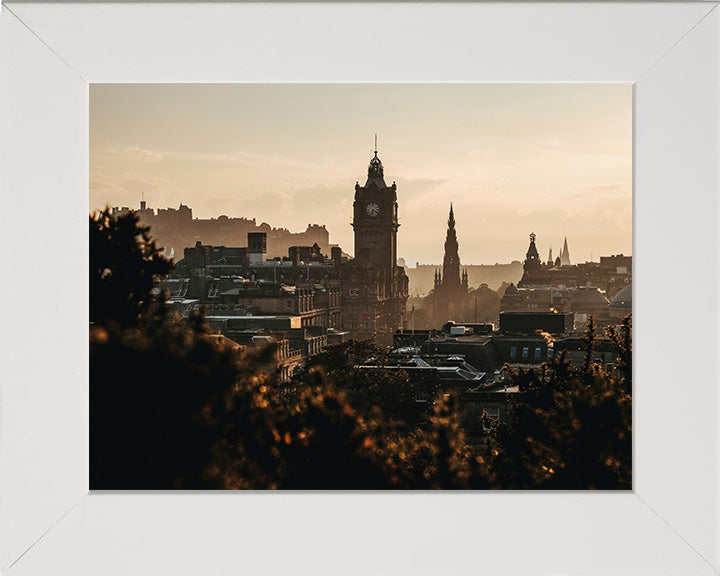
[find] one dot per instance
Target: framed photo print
(405, 288)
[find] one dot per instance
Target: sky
(553, 159)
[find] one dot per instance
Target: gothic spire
(451, 261)
(565, 254)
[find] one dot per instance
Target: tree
(572, 431)
(150, 374)
(169, 408)
(150, 386)
(125, 265)
(373, 391)
(622, 340)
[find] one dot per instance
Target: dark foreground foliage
(172, 408)
(572, 431)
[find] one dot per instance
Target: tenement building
(374, 287)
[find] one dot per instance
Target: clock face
(372, 209)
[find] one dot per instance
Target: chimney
(257, 246)
(336, 254)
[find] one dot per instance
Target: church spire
(565, 254)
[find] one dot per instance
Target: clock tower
(374, 287)
(375, 222)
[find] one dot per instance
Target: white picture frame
(51, 524)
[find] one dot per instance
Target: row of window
(526, 352)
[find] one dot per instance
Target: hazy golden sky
(554, 159)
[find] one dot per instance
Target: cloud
(144, 155)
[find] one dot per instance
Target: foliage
(572, 431)
(125, 265)
(622, 340)
(375, 393)
(148, 386)
(317, 442)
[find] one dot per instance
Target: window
(525, 353)
(537, 353)
(513, 351)
(550, 352)
(289, 304)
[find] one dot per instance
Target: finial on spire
(375, 143)
(532, 236)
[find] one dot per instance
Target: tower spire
(565, 254)
(451, 261)
(532, 258)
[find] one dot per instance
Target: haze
(551, 159)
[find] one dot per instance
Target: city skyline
(555, 160)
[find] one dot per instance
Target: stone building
(610, 275)
(584, 289)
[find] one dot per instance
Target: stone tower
(375, 222)
(374, 287)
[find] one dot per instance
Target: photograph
(360, 286)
